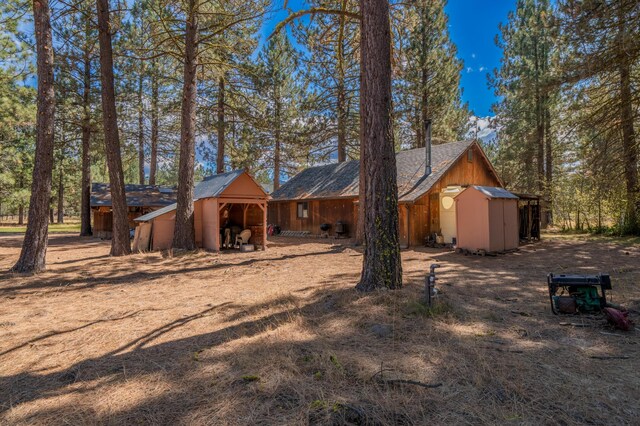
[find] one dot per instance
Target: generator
(572, 294)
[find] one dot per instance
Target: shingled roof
(137, 195)
(341, 180)
(210, 187)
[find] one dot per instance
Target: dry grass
(281, 337)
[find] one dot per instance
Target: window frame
(302, 210)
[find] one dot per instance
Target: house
(328, 194)
(141, 199)
(227, 198)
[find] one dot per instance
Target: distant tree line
(570, 110)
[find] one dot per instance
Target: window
(470, 155)
(303, 210)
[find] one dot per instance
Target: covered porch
(225, 206)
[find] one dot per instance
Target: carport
(233, 197)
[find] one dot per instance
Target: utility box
(487, 219)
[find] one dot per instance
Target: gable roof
(493, 192)
(137, 195)
(341, 180)
(214, 185)
(210, 187)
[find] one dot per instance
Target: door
(434, 213)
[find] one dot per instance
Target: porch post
(216, 226)
(264, 225)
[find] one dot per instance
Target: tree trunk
(184, 234)
(21, 214)
(153, 160)
(341, 90)
(548, 152)
(140, 129)
(277, 147)
(382, 266)
(85, 202)
(34, 246)
(51, 212)
(120, 243)
(61, 197)
(220, 153)
(630, 150)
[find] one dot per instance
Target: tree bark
(548, 169)
(382, 266)
(221, 127)
(140, 129)
(184, 234)
(34, 246)
(153, 159)
(277, 147)
(629, 147)
(85, 202)
(120, 243)
(61, 197)
(630, 150)
(341, 90)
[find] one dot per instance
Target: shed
(487, 219)
(227, 197)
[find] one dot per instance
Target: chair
(243, 238)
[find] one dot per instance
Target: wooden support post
(245, 207)
(216, 227)
(263, 206)
(529, 220)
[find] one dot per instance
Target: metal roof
(494, 192)
(211, 187)
(137, 195)
(341, 180)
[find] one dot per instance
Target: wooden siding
(284, 214)
(103, 219)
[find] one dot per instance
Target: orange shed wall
(243, 187)
(496, 225)
(197, 222)
(511, 225)
(472, 220)
(163, 231)
(210, 217)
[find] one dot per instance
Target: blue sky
(473, 25)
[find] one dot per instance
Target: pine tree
(281, 96)
(332, 72)
(34, 247)
(120, 244)
(601, 52)
(524, 112)
(382, 267)
(428, 70)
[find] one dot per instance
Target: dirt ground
(282, 337)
